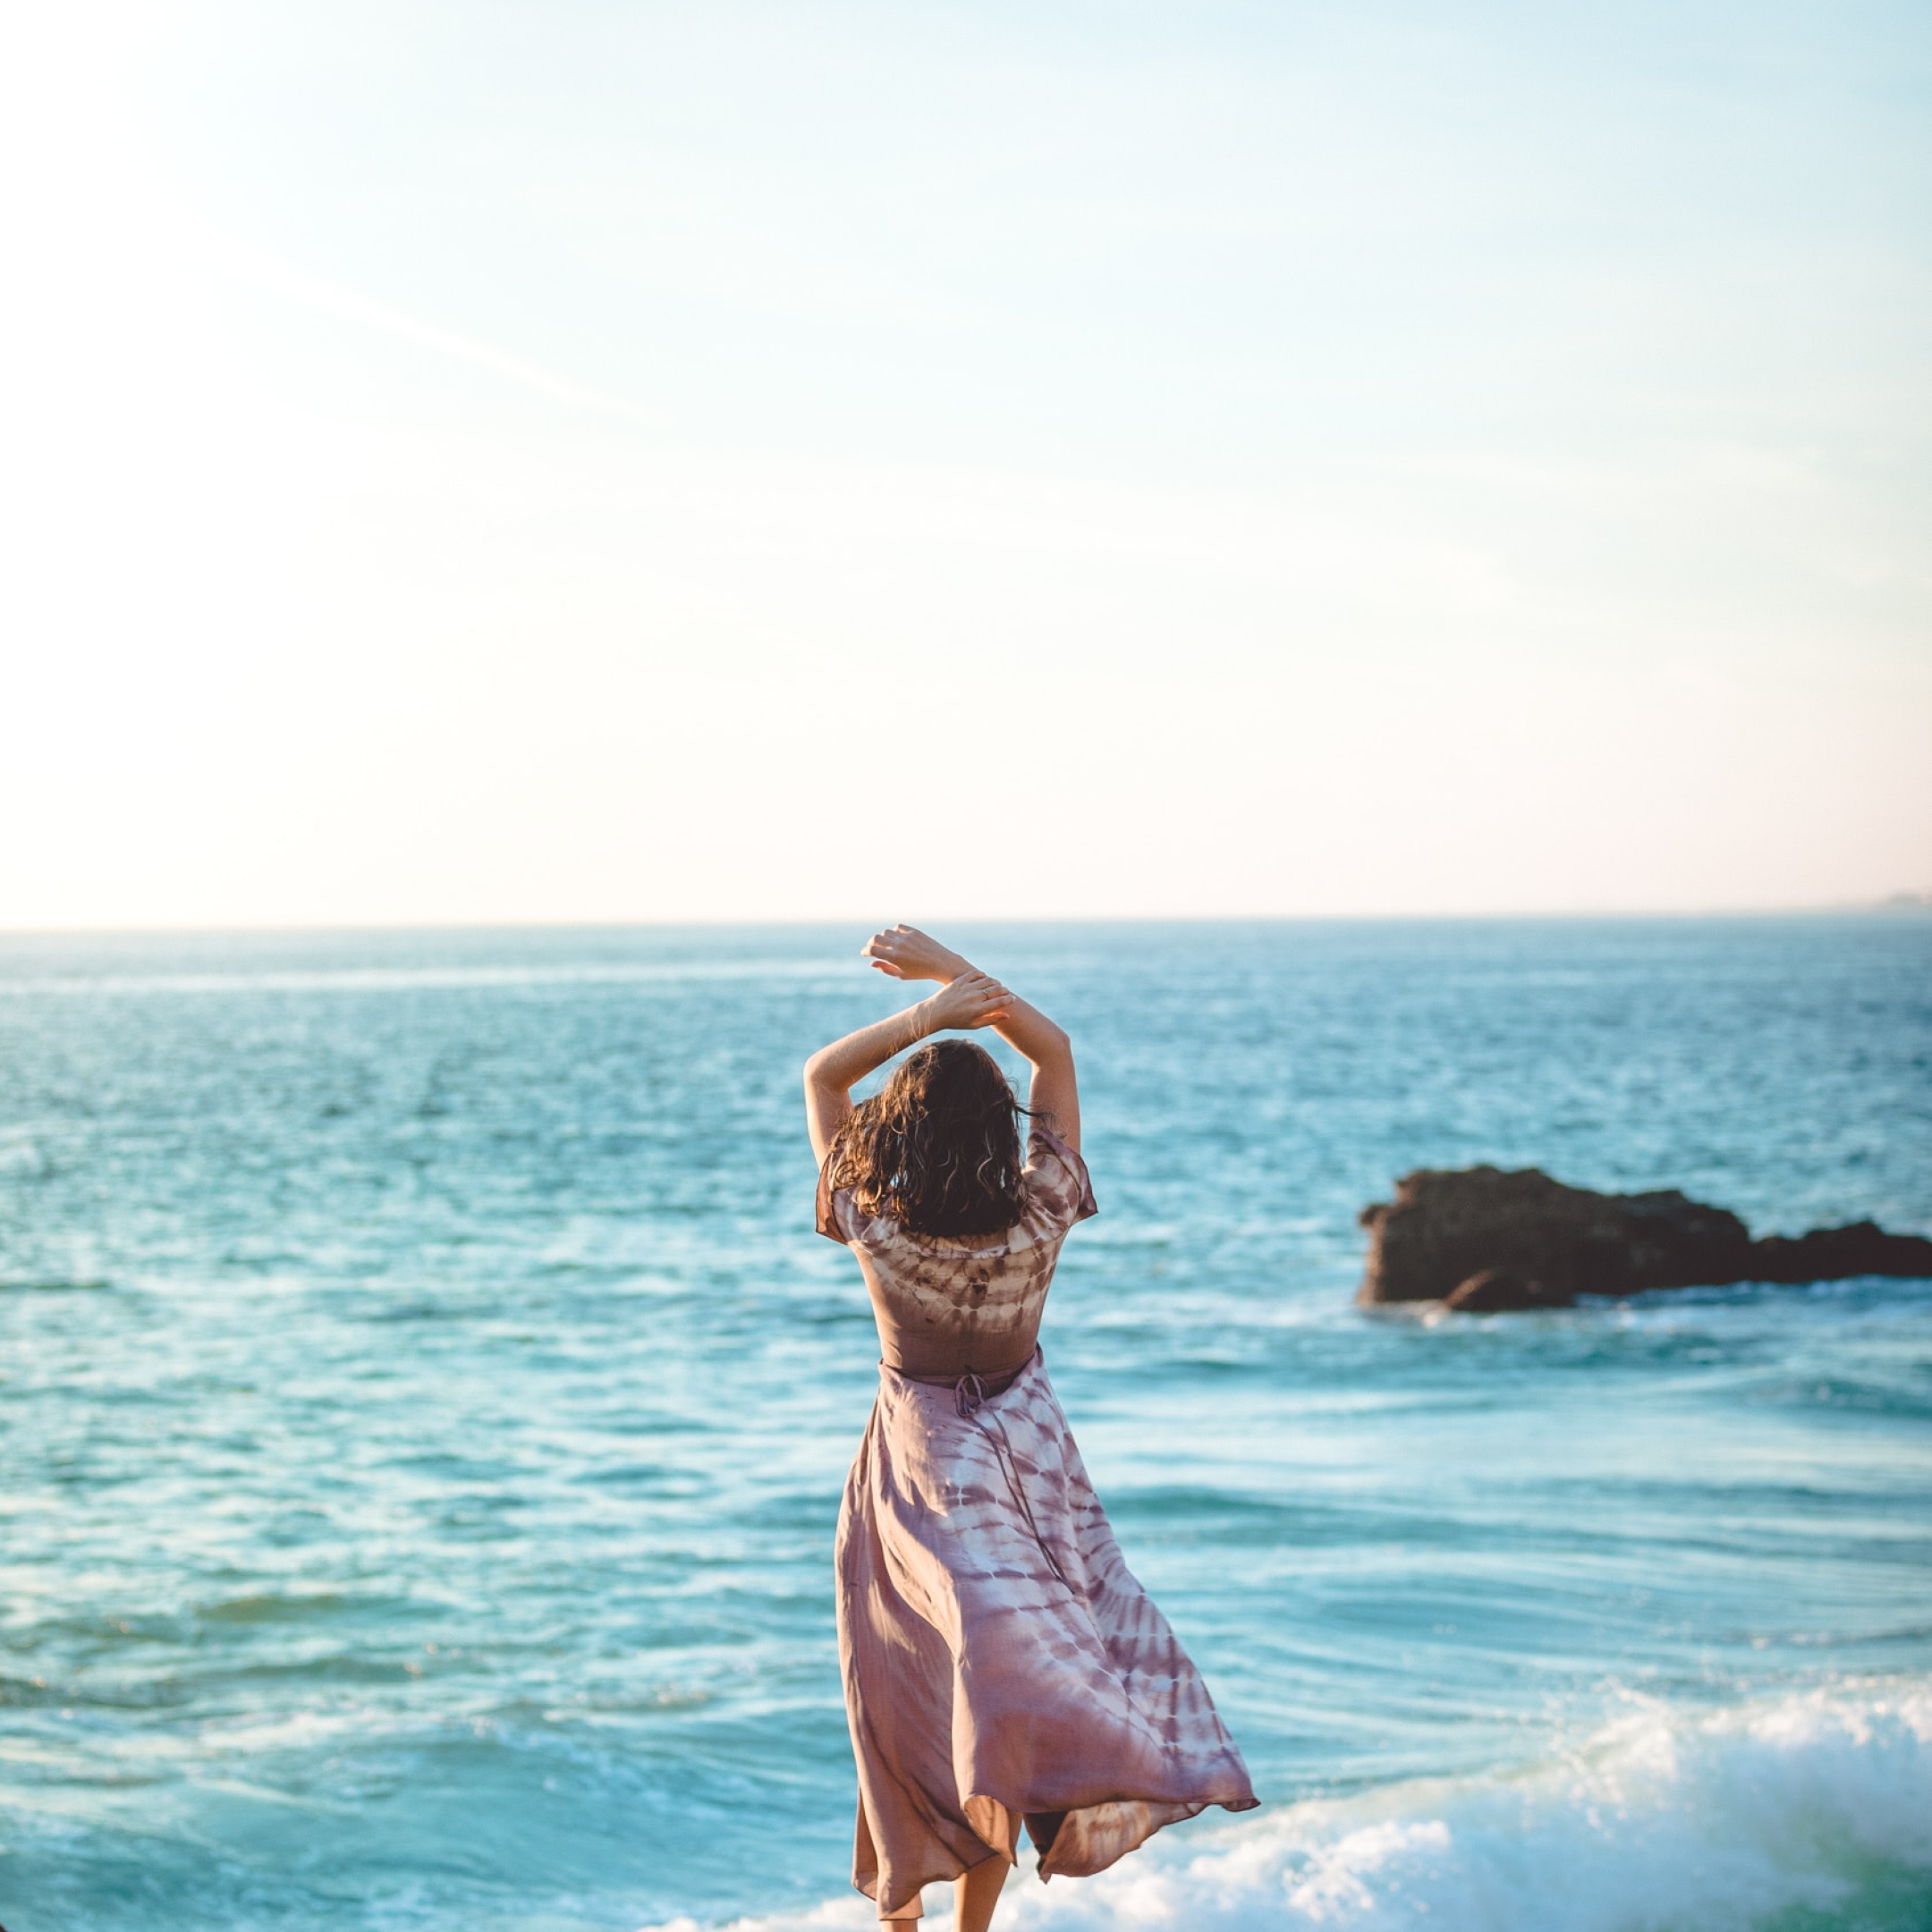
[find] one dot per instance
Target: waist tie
(970, 1392)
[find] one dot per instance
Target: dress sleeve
(834, 1207)
(1057, 1180)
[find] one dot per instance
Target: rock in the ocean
(1491, 1289)
(1836, 1253)
(1483, 1239)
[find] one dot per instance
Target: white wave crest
(1661, 1822)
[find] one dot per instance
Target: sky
(607, 460)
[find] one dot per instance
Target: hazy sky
(603, 459)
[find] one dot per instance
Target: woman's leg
(976, 1892)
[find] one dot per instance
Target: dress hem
(1178, 1812)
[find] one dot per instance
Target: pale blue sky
(633, 460)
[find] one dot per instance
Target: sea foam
(1812, 1811)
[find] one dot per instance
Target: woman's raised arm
(907, 953)
(968, 1000)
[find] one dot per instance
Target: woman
(1000, 1662)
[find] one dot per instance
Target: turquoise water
(423, 1405)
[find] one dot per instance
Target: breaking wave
(1808, 1813)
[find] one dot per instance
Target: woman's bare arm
(968, 1000)
(907, 953)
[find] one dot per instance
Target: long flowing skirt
(1000, 1660)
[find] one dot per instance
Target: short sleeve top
(952, 1305)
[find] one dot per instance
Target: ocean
(424, 1404)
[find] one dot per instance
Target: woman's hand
(971, 1000)
(907, 953)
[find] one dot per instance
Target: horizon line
(1895, 903)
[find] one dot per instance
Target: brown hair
(938, 1147)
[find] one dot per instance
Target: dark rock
(1677, 1242)
(1838, 1253)
(1444, 1228)
(1491, 1291)
(1482, 1239)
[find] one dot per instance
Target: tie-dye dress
(1001, 1663)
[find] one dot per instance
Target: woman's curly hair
(938, 1147)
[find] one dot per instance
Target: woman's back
(968, 1304)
